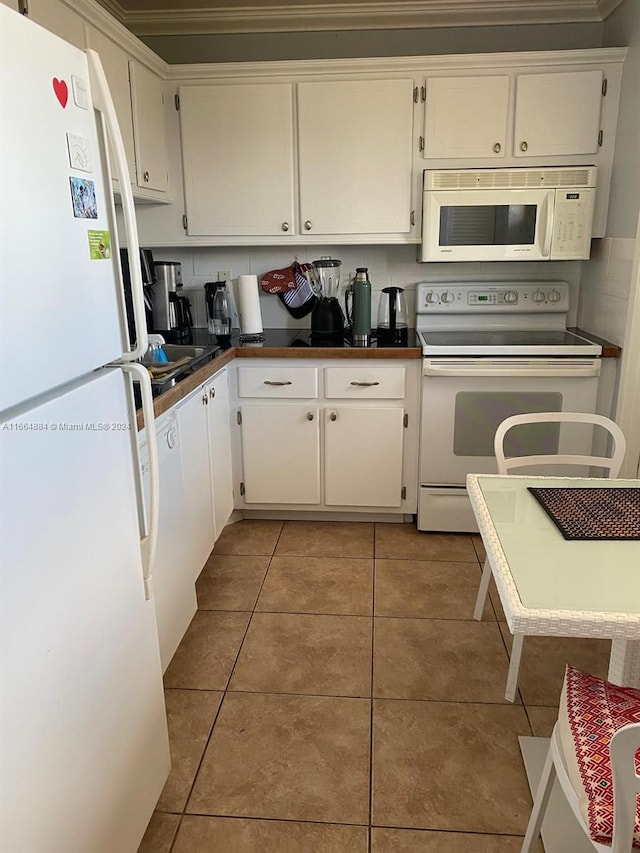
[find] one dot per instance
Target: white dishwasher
(174, 591)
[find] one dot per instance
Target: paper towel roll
(248, 302)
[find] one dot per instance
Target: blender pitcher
(327, 319)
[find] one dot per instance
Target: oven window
(488, 225)
(477, 415)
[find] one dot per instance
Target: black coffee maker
(148, 278)
(171, 314)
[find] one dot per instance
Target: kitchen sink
(183, 360)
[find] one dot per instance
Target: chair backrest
(626, 785)
(611, 463)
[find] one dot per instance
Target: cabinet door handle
(308, 225)
(212, 393)
(285, 226)
(497, 148)
(309, 416)
(146, 177)
(271, 382)
(365, 384)
(523, 146)
(333, 416)
(205, 400)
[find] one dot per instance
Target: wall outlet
(224, 275)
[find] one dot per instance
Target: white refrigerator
(84, 747)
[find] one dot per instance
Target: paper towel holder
(254, 338)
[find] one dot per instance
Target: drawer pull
(270, 382)
(365, 384)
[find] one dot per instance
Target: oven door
(463, 402)
(487, 225)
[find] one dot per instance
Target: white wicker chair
(583, 772)
(505, 465)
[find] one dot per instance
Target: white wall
(622, 29)
(353, 43)
(605, 282)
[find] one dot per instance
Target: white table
(552, 586)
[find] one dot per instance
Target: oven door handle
(556, 368)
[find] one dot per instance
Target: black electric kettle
(392, 317)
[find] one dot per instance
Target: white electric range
(492, 350)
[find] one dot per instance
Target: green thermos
(359, 317)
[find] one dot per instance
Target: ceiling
(170, 17)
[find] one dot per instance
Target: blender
(327, 319)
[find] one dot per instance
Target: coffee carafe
(392, 317)
(218, 311)
(327, 319)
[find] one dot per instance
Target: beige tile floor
(334, 695)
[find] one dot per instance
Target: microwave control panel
(573, 217)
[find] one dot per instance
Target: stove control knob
(538, 296)
(448, 297)
(511, 297)
(431, 298)
(554, 296)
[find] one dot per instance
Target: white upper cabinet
(57, 18)
(514, 115)
(466, 117)
(557, 113)
(116, 68)
(355, 153)
(238, 162)
(149, 132)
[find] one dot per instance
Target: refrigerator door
(61, 304)
(84, 738)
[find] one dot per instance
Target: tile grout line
(373, 640)
(224, 693)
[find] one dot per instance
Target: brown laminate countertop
(278, 343)
(609, 350)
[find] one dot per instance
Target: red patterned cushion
(591, 711)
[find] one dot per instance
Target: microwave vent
(498, 179)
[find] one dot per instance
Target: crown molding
(373, 14)
(303, 69)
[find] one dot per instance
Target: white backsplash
(604, 289)
(387, 265)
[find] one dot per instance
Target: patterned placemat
(596, 513)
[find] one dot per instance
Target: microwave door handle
(546, 224)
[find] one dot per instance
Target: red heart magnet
(61, 90)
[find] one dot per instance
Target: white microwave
(508, 214)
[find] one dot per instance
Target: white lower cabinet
(205, 442)
(280, 454)
(194, 450)
(350, 445)
(363, 456)
(219, 436)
